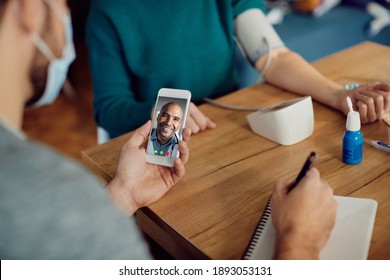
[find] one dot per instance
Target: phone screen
(168, 123)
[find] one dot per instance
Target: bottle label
(353, 155)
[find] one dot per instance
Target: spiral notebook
(349, 240)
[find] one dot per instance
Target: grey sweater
(53, 208)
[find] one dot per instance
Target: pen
(304, 170)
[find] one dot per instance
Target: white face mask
(58, 67)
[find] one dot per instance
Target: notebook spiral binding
(258, 230)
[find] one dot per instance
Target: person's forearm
(290, 71)
(122, 197)
(295, 247)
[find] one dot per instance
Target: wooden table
(212, 212)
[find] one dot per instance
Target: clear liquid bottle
(353, 137)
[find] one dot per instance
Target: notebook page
(351, 235)
(350, 238)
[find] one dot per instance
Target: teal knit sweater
(138, 47)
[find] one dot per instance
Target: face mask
(58, 67)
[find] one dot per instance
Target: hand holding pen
(304, 170)
(304, 216)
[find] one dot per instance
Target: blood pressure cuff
(255, 36)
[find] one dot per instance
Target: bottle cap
(353, 118)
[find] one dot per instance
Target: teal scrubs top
(137, 47)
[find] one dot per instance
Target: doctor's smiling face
(168, 121)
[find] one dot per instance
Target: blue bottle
(353, 137)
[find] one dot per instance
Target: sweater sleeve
(60, 213)
(116, 106)
(240, 6)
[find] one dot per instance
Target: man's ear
(31, 14)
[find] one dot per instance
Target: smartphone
(169, 119)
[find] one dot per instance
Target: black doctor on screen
(164, 138)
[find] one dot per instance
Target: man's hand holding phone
(138, 183)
